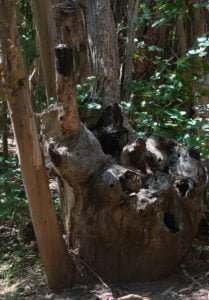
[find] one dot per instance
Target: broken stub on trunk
(131, 210)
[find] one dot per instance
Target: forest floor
(22, 275)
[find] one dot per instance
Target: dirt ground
(22, 275)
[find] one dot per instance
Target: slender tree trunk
(5, 131)
(51, 245)
(182, 36)
(181, 33)
(33, 81)
(45, 29)
(198, 29)
(3, 86)
(130, 46)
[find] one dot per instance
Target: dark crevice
(55, 157)
(183, 187)
(110, 131)
(170, 222)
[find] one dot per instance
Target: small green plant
(84, 94)
(26, 30)
(13, 204)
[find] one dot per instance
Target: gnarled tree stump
(131, 215)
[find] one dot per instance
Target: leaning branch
(48, 235)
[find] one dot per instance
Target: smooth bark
(182, 36)
(130, 47)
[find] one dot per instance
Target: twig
(188, 289)
(167, 291)
(82, 261)
(190, 277)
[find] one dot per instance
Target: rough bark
(129, 221)
(45, 29)
(103, 47)
(51, 245)
(130, 211)
(66, 88)
(71, 60)
(70, 25)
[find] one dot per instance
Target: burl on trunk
(131, 210)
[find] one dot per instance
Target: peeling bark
(51, 245)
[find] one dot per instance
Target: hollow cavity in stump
(131, 215)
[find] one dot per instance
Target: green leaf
(91, 78)
(94, 105)
(205, 127)
(201, 5)
(155, 48)
(202, 39)
(159, 22)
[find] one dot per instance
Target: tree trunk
(5, 130)
(181, 36)
(103, 47)
(199, 27)
(70, 25)
(51, 245)
(45, 29)
(130, 47)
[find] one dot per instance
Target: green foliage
(26, 30)
(166, 100)
(163, 103)
(84, 94)
(27, 35)
(39, 102)
(13, 204)
(169, 10)
(201, 5)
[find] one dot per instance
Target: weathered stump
(132, 217)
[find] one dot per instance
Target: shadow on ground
(22, 276)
